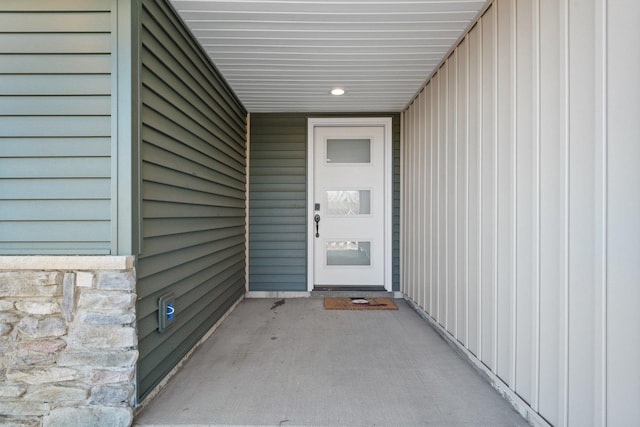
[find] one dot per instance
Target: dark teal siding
(193, 168)
(278, 200)
(396, 204)
(56, 127)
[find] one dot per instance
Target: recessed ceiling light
(337, 91)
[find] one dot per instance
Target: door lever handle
(317, 220)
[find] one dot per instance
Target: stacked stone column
(68, 343)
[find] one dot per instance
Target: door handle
(317, 220)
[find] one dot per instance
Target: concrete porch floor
(301, 365)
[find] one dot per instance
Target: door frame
(386, 124)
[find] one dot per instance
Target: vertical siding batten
(433, 279)
(461, 188)
(623, 211)
(496, 197)
(524, 199)
(425, 181)
(514, 195)
(538, 227)
(481, 144)
(488, 195)
(423, 200)
(552, 210)
(474, 101)
(454, 202)
(601, 167)
(409, 202)
(428, 197)
(581, 271)
(466, 126)
(437, 198)
(505, 182)
(417, 202)
(566, 70)
(451, 193)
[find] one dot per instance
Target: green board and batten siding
(278, 200)
(193, 152)
(56, 126)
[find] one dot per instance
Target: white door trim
(386, 123)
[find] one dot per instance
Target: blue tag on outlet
(166, 311)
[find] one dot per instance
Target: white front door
(348, 206)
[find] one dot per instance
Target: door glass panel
(348, 253)
(348, 202)
(348, 151)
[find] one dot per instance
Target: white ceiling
(286, 55)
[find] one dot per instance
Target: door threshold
(352, 292)
(349, 289)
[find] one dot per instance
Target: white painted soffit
(286, 55)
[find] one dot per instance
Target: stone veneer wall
(68, 342)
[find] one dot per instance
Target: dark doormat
(345, 303)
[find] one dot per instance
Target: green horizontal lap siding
(55, 126)
(193, 168)
(278, 200)
(395, 221)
